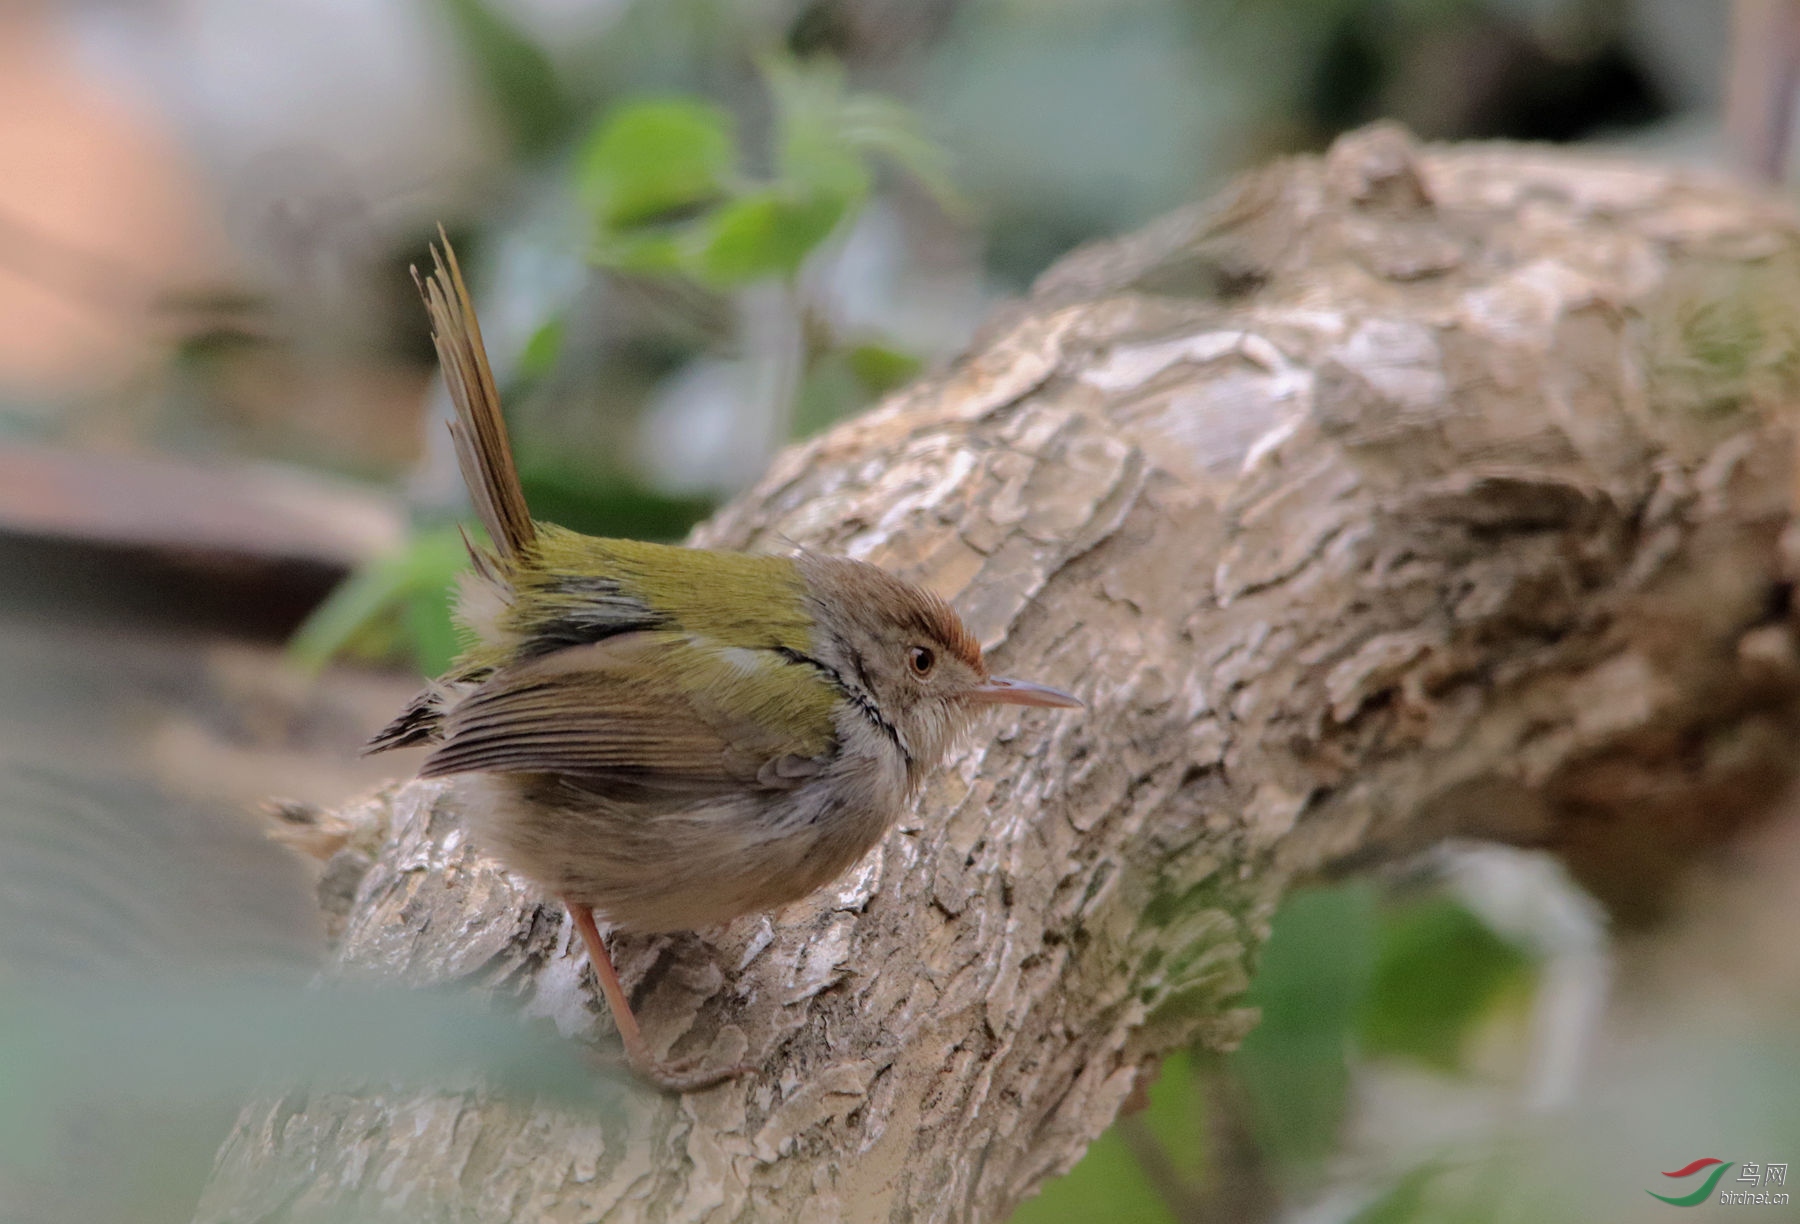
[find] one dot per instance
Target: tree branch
(1393, 496)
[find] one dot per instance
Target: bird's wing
(646, 710)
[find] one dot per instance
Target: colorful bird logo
(1706, 1189)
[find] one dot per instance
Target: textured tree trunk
(1397, 495)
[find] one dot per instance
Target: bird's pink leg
(670, 1077)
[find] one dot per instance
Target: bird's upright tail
(479, 431)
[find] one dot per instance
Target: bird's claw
(685, 1075)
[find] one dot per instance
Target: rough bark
(1396, 495)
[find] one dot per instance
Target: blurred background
(698, 229)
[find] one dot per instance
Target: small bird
(673, 737)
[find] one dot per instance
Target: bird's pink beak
(999, 691)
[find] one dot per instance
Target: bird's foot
(685, 1075)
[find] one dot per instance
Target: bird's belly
(672, 867)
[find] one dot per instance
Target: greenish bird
(673, 737)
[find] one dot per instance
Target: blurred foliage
(115, 1092)
(656, 157)
(1090, 119)
(1065, 122)
(155, 961)
(665, 179)
(1418, 1008)
(1347, 976)
(1735, 1096)
(398, 600)
(530, 100)
(563, 493)
(1311, 986)
(841, 376)
(193, 1039)
(1407, 1198)
(1109, 1183)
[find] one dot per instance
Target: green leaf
(812, 154)
(1315, 974)
(829, 392)
(430, 624)
(1107, 1184)
(658, 252)
(659, 177)
(366, 594)
(1176, 1116)
(881, 368)
(1407, 1201)
(874, 124)
(1439, 969)
(414, 584)
(827, 134)
(766, 234)
(518, 76)
(648, 159)
(542, 350)
(569, 494)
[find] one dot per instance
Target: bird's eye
(921, 660)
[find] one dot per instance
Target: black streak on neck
(857, 695)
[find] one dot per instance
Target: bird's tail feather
(479, 430)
